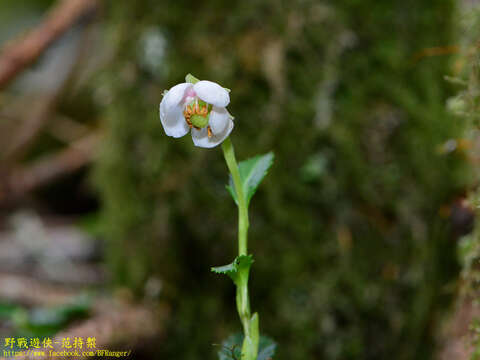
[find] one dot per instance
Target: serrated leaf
(232, 345)
(231, 348)
(239, 267)
(266, 348)
(252, 171)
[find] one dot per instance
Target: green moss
(350, 263)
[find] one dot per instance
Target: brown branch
(25, 179)
(457, 337)
(27, 291)
(41, 113)
(117, 327)
(19, 54)
(67, 130)
(26, 132)
(115, 324)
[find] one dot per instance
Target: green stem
(250, 324)
(229, 154)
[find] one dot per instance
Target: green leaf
(7, 310)
(237, 269)
(266, 348)
(230, 188)
(231, 348)
(252, 171)
(45, 321)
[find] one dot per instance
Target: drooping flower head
(199, 106)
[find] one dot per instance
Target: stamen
(196, 109)
(209, 131)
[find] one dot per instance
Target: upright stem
(229, 154)
(250, 324)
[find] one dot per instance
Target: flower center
(199, 121)
(197, 115)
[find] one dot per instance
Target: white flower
(200, 107)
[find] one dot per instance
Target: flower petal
(175, 95)
(218, 119)
(171, 111)
(173, 120)
(212, 93)
(200, 137)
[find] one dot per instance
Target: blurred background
(363, 232)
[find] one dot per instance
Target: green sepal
(191, 79)
(250, 343)
(237, 269)
(252, 171)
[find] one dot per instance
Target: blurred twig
(28, 291)
(113, 323)
(435, 51)
(27, 130)
(113, 326)
(18, 54)
(67, 130)
(28, 177)
(456, 340)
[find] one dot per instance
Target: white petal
(212, 93)
(171, 111)
(175, 95)
(201, 139)
(218, 119)
(173, 121)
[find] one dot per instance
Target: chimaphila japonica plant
(199, 106)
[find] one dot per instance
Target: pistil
(196, 117)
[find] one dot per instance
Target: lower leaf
(231, 348)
